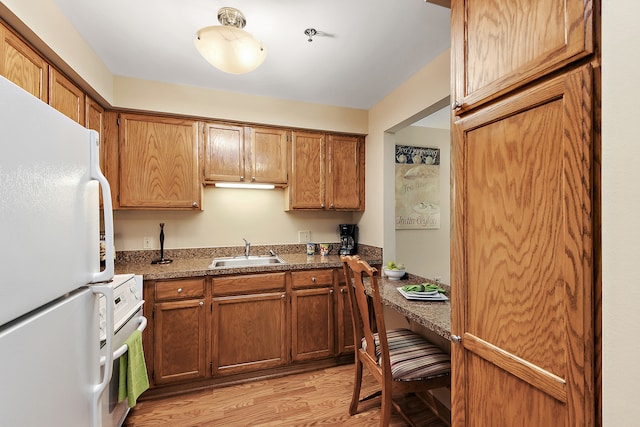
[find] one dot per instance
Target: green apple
(391, 265)
(400, 266)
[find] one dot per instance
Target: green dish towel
(133, 370)
(423, 287)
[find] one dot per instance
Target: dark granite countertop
(192, 267)
(195, 262)
(433, 315)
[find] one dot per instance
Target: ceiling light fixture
(228, 47)
(244, 185)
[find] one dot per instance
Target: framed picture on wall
(417, 183)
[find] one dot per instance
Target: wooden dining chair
(400, 360)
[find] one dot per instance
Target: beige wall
(426, 252)
(620, 207)
(402, 107)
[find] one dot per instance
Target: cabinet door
(22, 65)
(224, 153)
(522, 258)
(307, 178)
(94, 116)
(179, 343)
(266, 155)
(66, 97)
(345, 178)
(499, 45)
(159, 163)
(249, 332)
(312, 319)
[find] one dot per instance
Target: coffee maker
(348, 239)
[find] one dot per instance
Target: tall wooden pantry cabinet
(525, 205)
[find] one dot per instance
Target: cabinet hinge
(153, 376)
(118, 121)
(211, 367)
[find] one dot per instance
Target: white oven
(128, 302)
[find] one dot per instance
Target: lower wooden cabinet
(249, 323)
(312, 323)
(179, 330)
(312, 314)
(205, 329)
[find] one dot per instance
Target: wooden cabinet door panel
(345, 180)
(307, 181)
(250, 332)
(312, 320)
(267, 155)
(499, 45)
(224, 153)
(22, 65)
(66, 97)
(179, 343)
(159, 163)
(522, 264)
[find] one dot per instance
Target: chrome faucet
(247, 247)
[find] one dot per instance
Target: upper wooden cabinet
(499, 45)
(245, 154)
(158, 167)
(327, 172)
(23, 65)
(266, 152)
(66, 97)
(345, 172)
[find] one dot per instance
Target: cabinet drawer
(312, 278)
(179, 289)
(248, 283)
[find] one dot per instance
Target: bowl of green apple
(394, 271)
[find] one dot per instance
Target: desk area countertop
(433, 315)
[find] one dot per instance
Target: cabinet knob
(322, 206)
(283, 296)
(194, 205)
(201, 303)
(313, 279)
(331, 206)
(456, 105)
(331, 292)
(241, 177)
(253, 179)
(179, 290)
(456, 339)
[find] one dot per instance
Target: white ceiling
(365, 49)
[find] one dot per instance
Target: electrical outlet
(304, 236)
(146, 243)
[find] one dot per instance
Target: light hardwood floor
(318, 398)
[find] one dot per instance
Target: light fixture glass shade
(230, 49)
(245, 185)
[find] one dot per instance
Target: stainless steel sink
(244, 261)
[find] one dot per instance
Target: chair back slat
(371, 318)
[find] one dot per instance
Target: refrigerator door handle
(98, 389)
(96, 174)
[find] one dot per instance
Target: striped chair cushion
(412, 357)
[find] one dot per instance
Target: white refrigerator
(50, 276)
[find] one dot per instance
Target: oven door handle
(123, 348)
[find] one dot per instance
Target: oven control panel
(127, 300)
